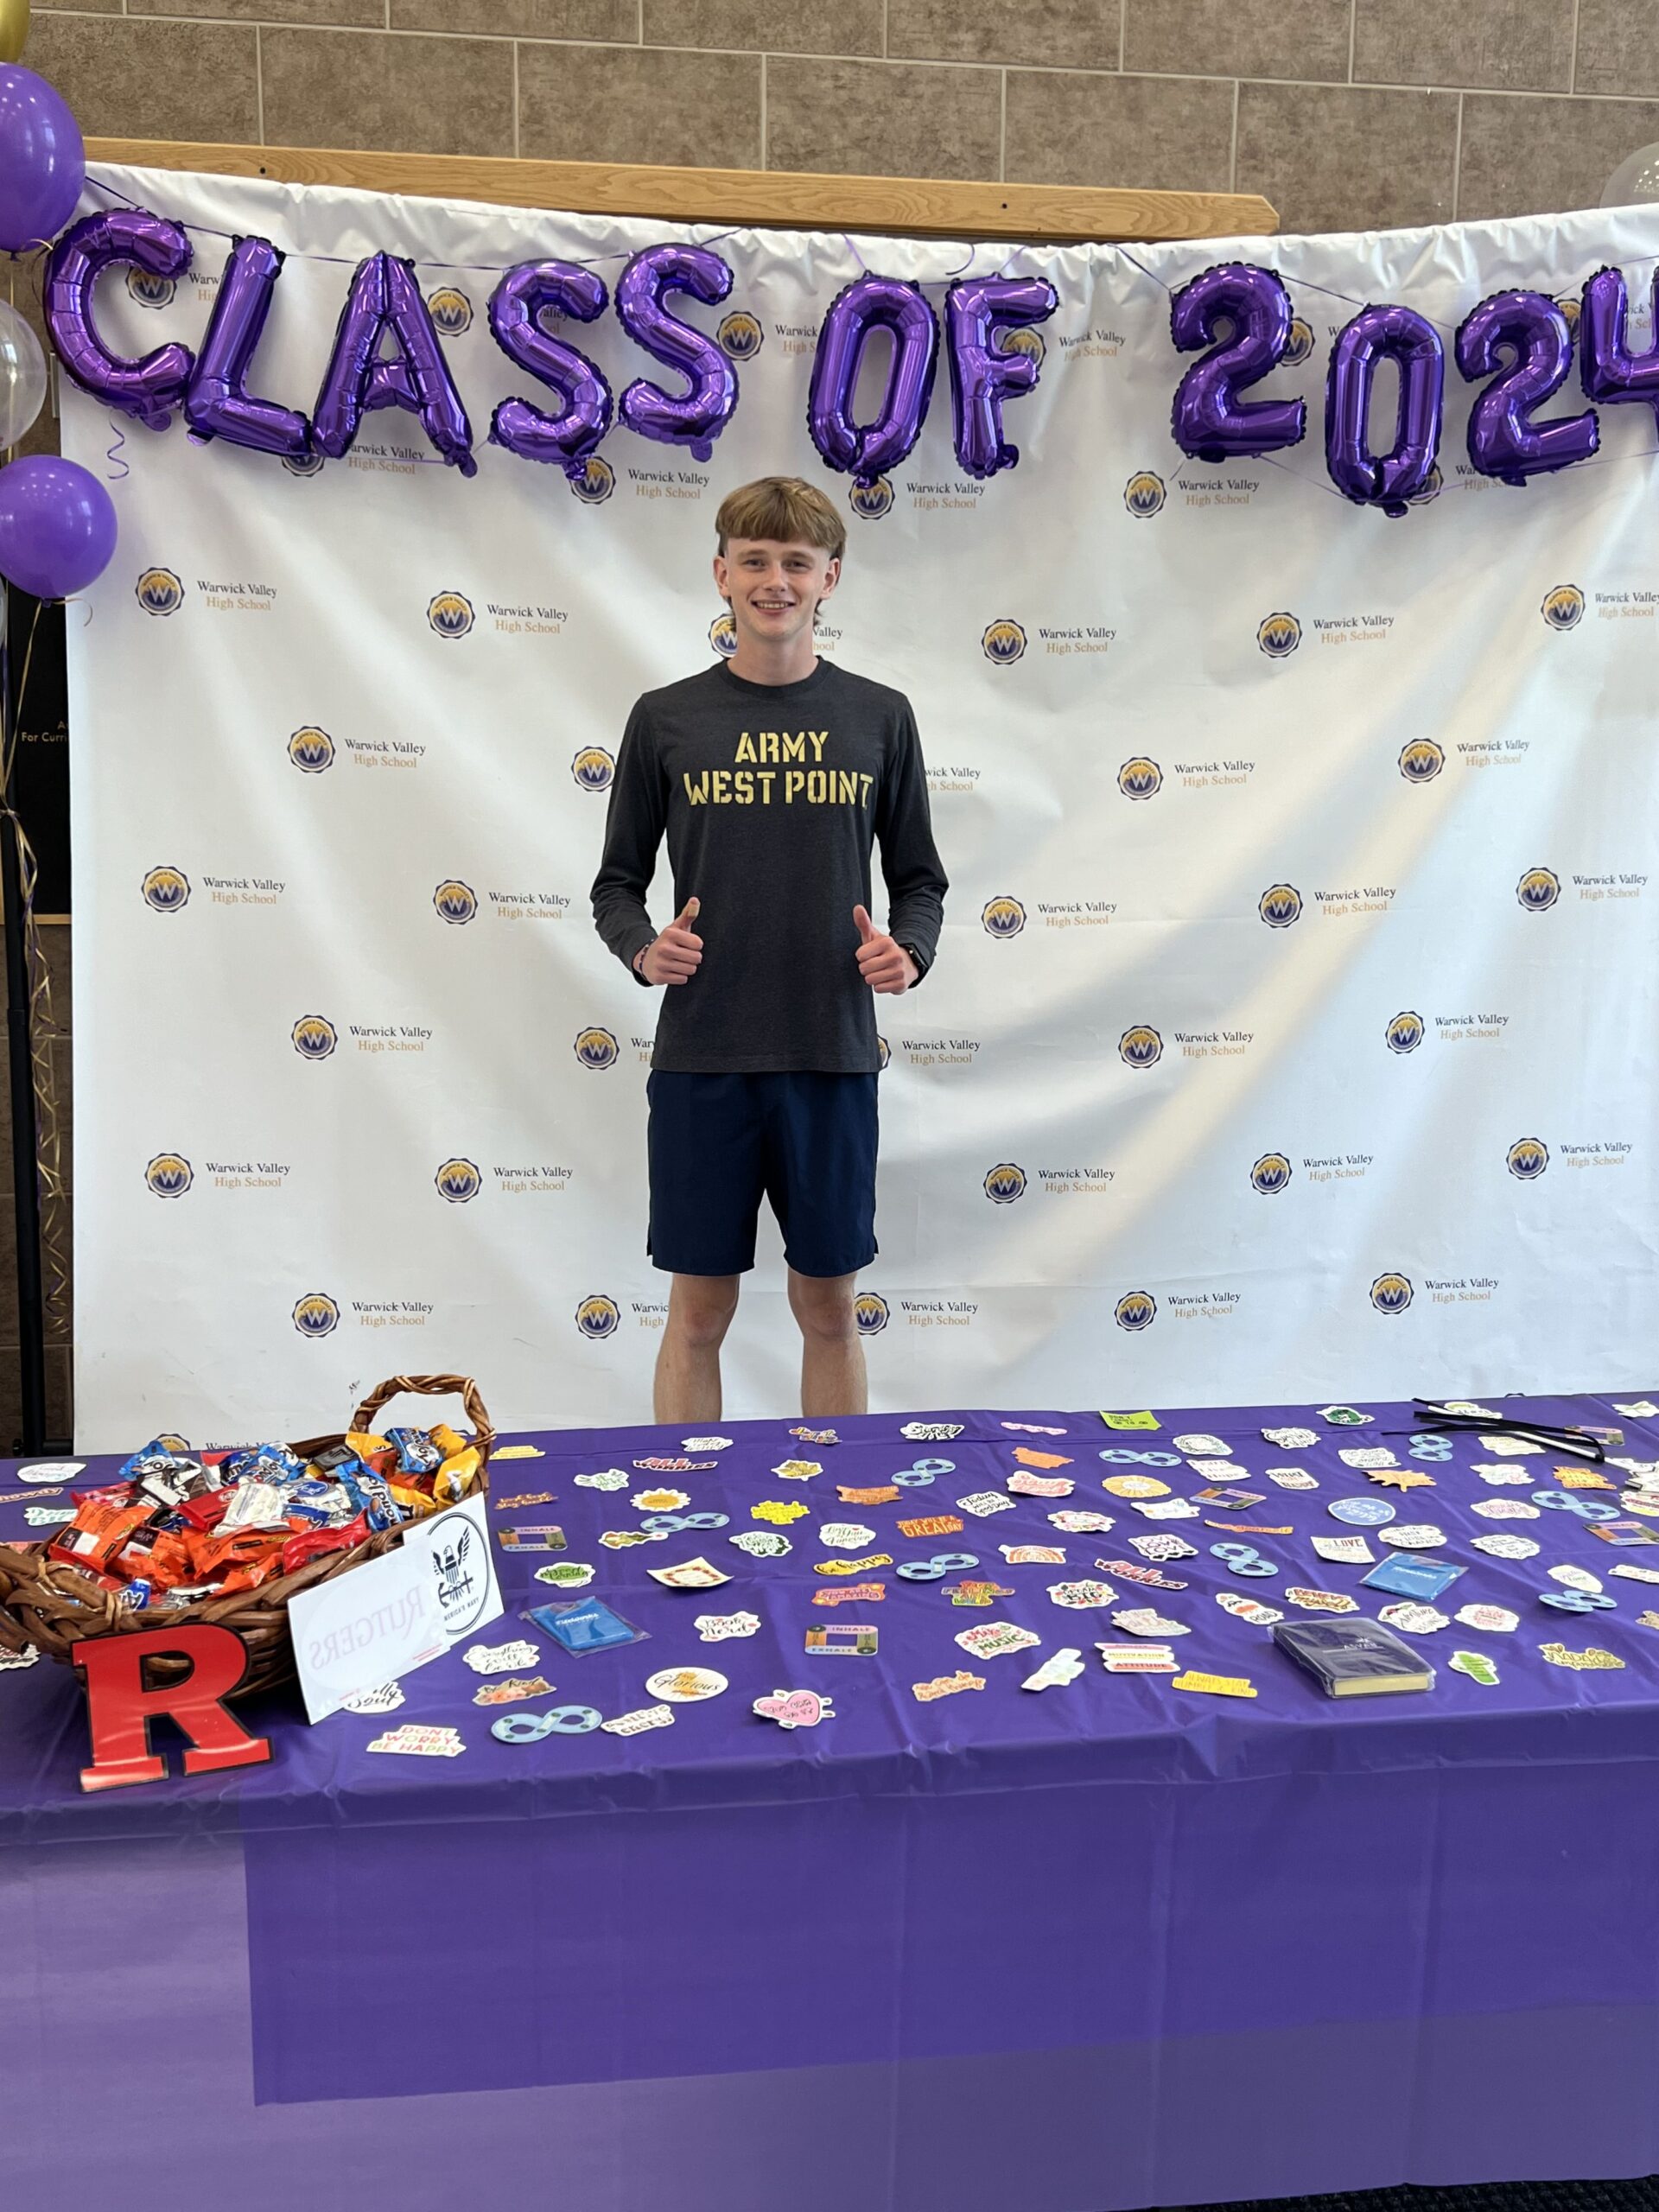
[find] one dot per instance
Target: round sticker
(1203, 1446)
(1505, 1547)
(1413, 1536)
(44, 1470)
(1136, 1486)
(684, 1685)
(1361, 1512)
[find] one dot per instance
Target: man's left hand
(884, 965)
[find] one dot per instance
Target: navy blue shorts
(719, 1143)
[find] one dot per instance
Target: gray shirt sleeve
(910, 860)
(633, 830)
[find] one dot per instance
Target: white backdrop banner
(1293, 1030)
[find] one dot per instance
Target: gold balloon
(14, 29)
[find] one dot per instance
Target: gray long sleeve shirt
(770, 796)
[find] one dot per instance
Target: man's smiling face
(773, 586)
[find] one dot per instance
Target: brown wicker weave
(55, 1607)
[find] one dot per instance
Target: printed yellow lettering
(720, 789)
(817, 737)
(697, 793)
(768, 745)
(794, 747)
(743, 786)
(815, 782)
(763, 778)
(846, 786)
(745, 748)
(865, 781)
(794, 780)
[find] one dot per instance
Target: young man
(770, 773)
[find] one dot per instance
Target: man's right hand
(673, 957)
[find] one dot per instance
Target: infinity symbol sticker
(669, 1524)
(531, 1727)
(934, 1569)
(1120, 1457)
(1586, 1508)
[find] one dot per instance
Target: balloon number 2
(1244, 316)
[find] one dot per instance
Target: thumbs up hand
(673, 955)
(884, 965)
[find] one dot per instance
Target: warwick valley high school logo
(1270, 1174)
(166, 890)
(314, 1037)
(1003, 642)
(170, 1175)
(1279, 635)
(593, 769)
(593, 485)
(1005, 1183)
(449, 614)
(455, 901)
(869, 1313)
(159, 591)
(316, 1315)
(1405, 1032)
(1135, 1311)
(311, 749)
(450, 309)
(1002, 917)
(1538, 890)
(1391, 1294)
(1140, 778)
(1144, 494)
(1527, 1157)
(1141, 1047)
(869, 502)
(458, 1181)
(595, 1048)
(1281, 904)
(598, 1316)
(1421, 760)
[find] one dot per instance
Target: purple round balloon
(1608, 370)
(868, 304)
(572, 436)
(1207, 418)
(697, 419)
(151, 386)
(975, 308)
(57, 526)
(217, 403)
(383, 295)
(42, 161)
(1398, 333)
(1525, 336)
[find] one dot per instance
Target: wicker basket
(55, 1607)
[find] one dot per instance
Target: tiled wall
(1345, 113)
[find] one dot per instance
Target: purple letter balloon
(384, 297)
(42, 161)
(217, 404)
(150, 388)
(572, 436)
(1389, 333)
(981, 376)
(57, 526)
(868, 304)
(1608, 370)
(697, 419)
(1503, 440)
(1208, 420)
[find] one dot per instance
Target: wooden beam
(1050, 214)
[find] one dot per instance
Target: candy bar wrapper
(377, 1452)
(417, 1453)
(457, 1475)
(207, 1510)
(96, 1534)
(317, 1543)
(415, 1503)
(447, 1440)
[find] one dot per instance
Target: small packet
(96, 1534)
(587, 1624)
(417, 1453)
(316, 1543)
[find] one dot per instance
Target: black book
(1354, 1658)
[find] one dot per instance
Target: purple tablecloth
(1109, 1946)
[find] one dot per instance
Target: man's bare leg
(832, 1357)
(687, 1385)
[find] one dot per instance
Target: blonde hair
(787, 509)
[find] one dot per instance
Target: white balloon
(22, 376)
(1635, 182)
